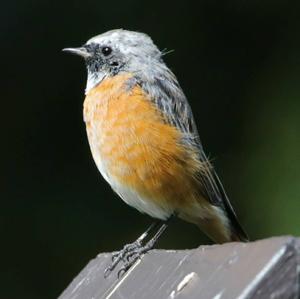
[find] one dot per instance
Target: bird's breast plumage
(136, 151)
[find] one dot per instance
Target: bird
(145, 143)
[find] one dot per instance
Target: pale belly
(127, 193)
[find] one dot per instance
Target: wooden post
(263, 269)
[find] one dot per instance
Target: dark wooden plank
(262, 269)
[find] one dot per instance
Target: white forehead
(127, 41)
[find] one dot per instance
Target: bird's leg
(137, 252)
(129, 248)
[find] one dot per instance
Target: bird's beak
(79, 51)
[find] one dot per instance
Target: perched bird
(145, 143)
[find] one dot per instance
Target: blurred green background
(238, 63)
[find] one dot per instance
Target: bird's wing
(170, 99)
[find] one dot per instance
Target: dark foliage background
(238, 63)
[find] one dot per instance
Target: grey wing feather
(169, 97)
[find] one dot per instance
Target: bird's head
(117, 51)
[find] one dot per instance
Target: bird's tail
(219, 228)
(223, 226)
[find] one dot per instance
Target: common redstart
(145, 143)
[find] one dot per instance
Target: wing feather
(164, 90)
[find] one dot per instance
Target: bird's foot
(123, 255)
(133, 256)
(134, 251)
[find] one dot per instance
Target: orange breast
(133, 145)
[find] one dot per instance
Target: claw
(132, 254)
(114, 256)
(129, 264)
(115, 262)
(123, 255)
(128, 256)
(107, 272)
(121, 272)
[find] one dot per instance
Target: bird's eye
(106, 51)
